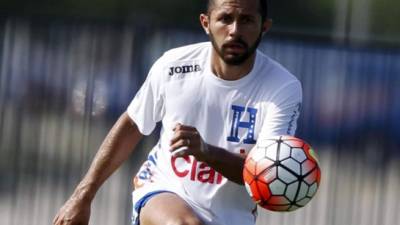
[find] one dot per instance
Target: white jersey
(181, 88)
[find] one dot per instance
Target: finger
(183, 135)
(179, 144)
(180, 126)
(67, 222)
(181, 152)
(176, 126)
(55, 219)
(62, 222)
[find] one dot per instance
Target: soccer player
(214, 99)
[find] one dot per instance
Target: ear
(205, 22)
(266, 26)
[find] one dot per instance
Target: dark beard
(237, 59)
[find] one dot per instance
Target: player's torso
(227, 114)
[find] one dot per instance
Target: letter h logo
(236, 124)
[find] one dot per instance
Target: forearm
(187, 141)
(230, 165)
(115, 149)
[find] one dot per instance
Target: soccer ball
(281, 173)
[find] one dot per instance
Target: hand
(74, 212)
(187, 141)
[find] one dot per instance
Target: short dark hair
(263, 8)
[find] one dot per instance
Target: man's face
(235, 29)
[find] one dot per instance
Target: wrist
(84, 192)
(209, 153)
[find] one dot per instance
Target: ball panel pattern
(250, 165)
(277, 207)
(257, 155)
(302, 193)
(277, 187)
(298, 155)
(291, 191)
(263, 189)
(263, 164)
(248, 189)
(271, 152)
(292, 165)
(304, 201)
(284, 152)
(292, 141)
(255, 193)
(310, 178)
(269, 175)
(293, 207)
(307, 166)
(318, 175)
(278, 200)
(248, 175)
(312, 190)
(282, 173)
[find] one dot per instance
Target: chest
(227, 117)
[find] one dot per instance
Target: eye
(226, 18)
(246, 19)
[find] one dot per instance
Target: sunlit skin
(235, 28)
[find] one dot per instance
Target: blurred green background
(366, 21)
(68, 69)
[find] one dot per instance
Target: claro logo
(198, 171)
(183, 69)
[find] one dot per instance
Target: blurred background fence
(63, 83)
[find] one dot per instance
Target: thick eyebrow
(241, 15)
(229, 11)
(246, 15)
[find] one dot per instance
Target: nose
(234, 29)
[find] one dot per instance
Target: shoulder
(193, 51)
(184, 60)
(273, 73)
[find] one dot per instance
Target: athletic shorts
(146, 188)
(141, 202)
(148, 183)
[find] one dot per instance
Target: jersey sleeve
(147, 107)
(283, 111)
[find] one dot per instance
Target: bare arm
(187, 141)
(115, 149)
(227, 163)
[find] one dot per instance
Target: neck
(230, 72)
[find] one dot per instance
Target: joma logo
(184, 69)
